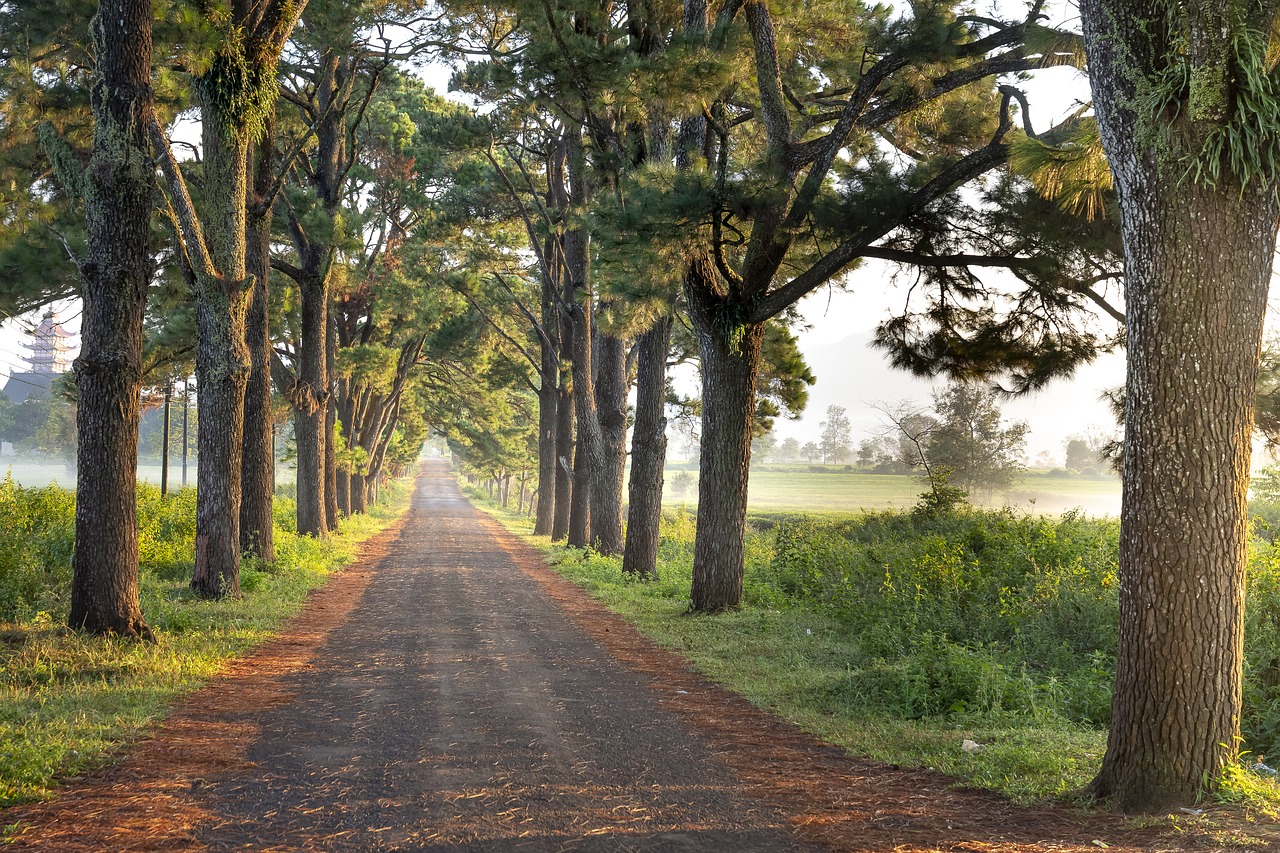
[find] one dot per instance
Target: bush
(37, 537)
(956, 611)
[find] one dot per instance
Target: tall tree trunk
(1198, 261)
(1199, 264)
(222, 360)
(311, 401)
(548, 397)
(648, 453)
(104, 584)
(730, 366)
(257, 523)
(611, 411)
(164, 441)
(564, 464)
(358, 493)
(588, 457)
(330, 427)
(234, 104)
(579, 533)
(344, 408)
(342, 480)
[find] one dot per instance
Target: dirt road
(460, 705)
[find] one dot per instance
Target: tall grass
(67, 701)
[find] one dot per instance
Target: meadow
(823, 489)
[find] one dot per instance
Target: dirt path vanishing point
(449, 693)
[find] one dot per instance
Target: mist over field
(835, 490)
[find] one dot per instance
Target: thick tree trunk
(548, 398)
(358, 493)
(564, 464)
(259, 477)
(310, 401)
(648, 453)
(233, 107)
(342, 481)
(1199, 264)
(579, 533)
(104, 585)
(222, 363)
(611, 411)
(730, 366)
(588, 457)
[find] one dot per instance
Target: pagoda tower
(50, 346)
(50, 352)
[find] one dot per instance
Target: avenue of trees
(639, 184)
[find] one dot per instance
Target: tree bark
(548, 398)
(310, 402)
(117, 272)
(257, 522)
(588, 457)
(342, 479)
(648, 453)
(1198, 262)
(330, 425)
(564, 464)
(579, 533)
(235, 93)
(358, 493)
(1199, 265)
(222, 362)
(730, 367)
(611, 412)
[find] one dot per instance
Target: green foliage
(896, 635)
(37, 536)
(67, 700)
(973, 441)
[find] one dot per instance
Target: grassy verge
(68, 701)
(907, 667)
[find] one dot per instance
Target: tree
(971, 439)
(789, 450)
(1087, 453)
(794, 191)
(837, 435)
(1186, 98)
(811, 452)
(236, 89)
(117, 188)
(764, 447)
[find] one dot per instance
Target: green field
(841, 491)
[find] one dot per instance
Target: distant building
(50, 353)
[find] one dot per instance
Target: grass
(793, 663)
(808, 665)
(68, 701)
(841, 491)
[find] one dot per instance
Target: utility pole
(164, 451)
(186, 405)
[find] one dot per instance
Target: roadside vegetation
(69, 700)
(900, 634)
